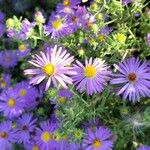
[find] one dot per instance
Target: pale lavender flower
(52, 66)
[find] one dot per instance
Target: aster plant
(74, 75)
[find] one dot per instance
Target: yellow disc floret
(3, 84)
(35, 147)
(11, 102)
(3, 135)
(49, 69)
(62, 100)
(96, 143)
(22, 47)
(57, 24)
(101, 37)
(46, 136)
(22, 92)
(66, 3)
(89, 71)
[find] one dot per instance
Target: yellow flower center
(3, 135)
(49, 69)
(101, 37)
(46, 136)
(57, 24)
(22, 92)
(35, 147)
(62, 100)
(8, 59)
(132, 77)
(22, 47)
(11, 102)
(3, 84)
(89, 71)
(96, 143)
(121, 37)
(66, 3)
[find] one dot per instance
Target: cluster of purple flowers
(25, 130)
(55, 68)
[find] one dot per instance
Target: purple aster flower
(2, 29)
(44, 136)
(126, 2)
(26, 30)
(65, 93)
(23, 50)
(134, 79)
(2, 17)
(27, 93)
(88, 20)
(63, 96)
(70, 3)
(64, 11)
(25, 126)
(101, 139)
(144, 147)
(92, 124)
(10, 104)
(148, 38)
(11, 33)
(91, 77)
(57, 26)
(5, 81)
(103, 33)
(7, 135)
(73, 146)
(31, 146)
(9, 59)
(75, 19)
(53, 66)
